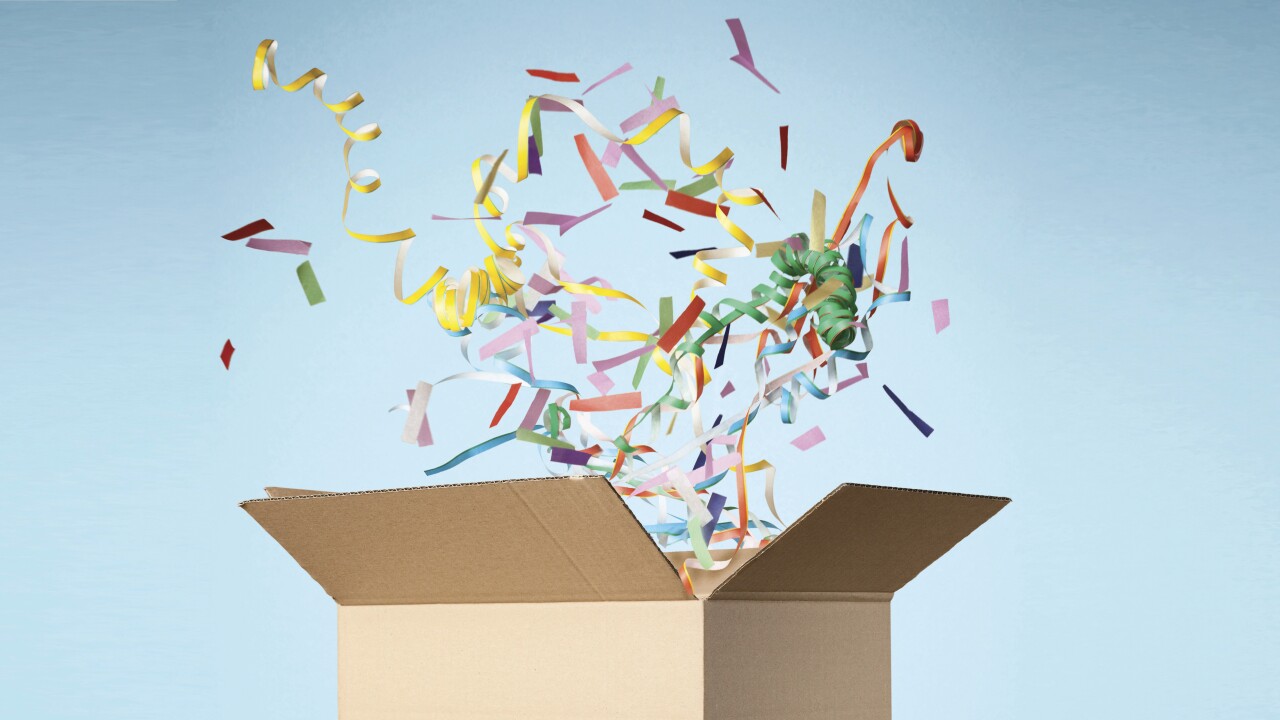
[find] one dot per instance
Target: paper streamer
(598, 175)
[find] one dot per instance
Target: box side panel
(800, 660)
(533, 661)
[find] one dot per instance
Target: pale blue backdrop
(1094, 198)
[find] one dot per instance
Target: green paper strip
(658, 86)
(647, 185)
(697, 187)
(310, 285)
(540, 439)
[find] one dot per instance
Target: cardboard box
(545, 599)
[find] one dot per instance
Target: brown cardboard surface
(552, 661)
(796, 660)
(860, 539)
(561, 539)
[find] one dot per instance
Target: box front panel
(531, 661)
(799, 660)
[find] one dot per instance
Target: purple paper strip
(677, 254)
(542, 308)
(639, 162)
(613, 362)
(626, 67)
(611, 154)
(646, 116)
(902, 286)
(743, 57)
(855, 263)
(293, 247)
(724, 343)
(921, 425)
(549, 105)
(728, 388)
(545, 218)
(535, 409)
(569, 224)
(543, 285)
(535, 163)
(569, 457)
(714, 505)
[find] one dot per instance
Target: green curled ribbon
(835, 314)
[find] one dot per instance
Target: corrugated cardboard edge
(316, 495)
(730, 595)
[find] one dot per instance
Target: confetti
(654, 217)
(249, 230)
(783, 132)
(598, 175)
(743, 57)
(227, 351)
(310, 285)
(941, 315)
(293, 247)
(694, 205)
(566, 77)
(626, 67)
(809, 438)
(921, 425)
(679, 254)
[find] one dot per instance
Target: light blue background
(1094, 198)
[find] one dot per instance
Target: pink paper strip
(569, 224)
(549, 105)
(941, 315)
(905, 274)
(534, 412)
(578, 322)
(743, 57)
(293, 247)
(646, 116)
(602, 382)
(728, 388)
(639, 162)
(711, 469)
(611, 154)
(442, 217)
(626, 67)
(543, 285)
(508, 338)
(809, 438)
(862, 370)
(613, 362)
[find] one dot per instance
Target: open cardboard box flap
(572, 539)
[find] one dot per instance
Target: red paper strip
(688, 203)
(506, 404)
(227, 351)
(654, 217)
(783, 132)
(553, 75)
(252, 228)
(682, 324)
(601, 178)
(621, 401)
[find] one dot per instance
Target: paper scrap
(293, 247)
(227, 351)
(678, 254)
(921, 425)
(569, 457)
(728, 388)
(941, 315)
(507, 400)
(602, 382)
(673, 335)
(809, 438)
(743, 57)
(715, 505)
(647, 115)
(783, 132)
(554, 76)
(598, 175)
(417, 431)
(253, 228)
(626, 67)
(604, 403)
(694, 205)
(310, 285)
(655, 217)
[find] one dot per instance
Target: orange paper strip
(621, 401)
(595, 169)
(682, 324)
